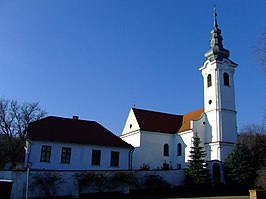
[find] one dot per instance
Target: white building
(55, 143)
(162, 137)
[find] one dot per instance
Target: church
(161, 139)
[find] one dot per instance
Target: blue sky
(97, 58)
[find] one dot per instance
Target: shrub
(86, 180)
(155, 183)
(48, 183)
(145, 167)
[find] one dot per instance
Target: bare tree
(261, 51)
(14, 120)
(254, 137)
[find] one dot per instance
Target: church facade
(162, 139)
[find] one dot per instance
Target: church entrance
(216, 173)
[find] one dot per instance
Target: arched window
(166, 150)
(179, 149)
(209, 80)
(226, 79)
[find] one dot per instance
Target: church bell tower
(219, 96)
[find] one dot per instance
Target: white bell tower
(219, 97)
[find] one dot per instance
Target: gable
(131, 124)
(73, 131)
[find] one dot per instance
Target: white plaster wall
(204, 130)
(151, 149)
(227, 92)
(80, 157)
(132, 138)
(213, 121)
(215, 151)
(179, 159)
(210, 93)
(228, 97)
(69, 186)
(220, 150)
(221, 96)
(186, 137)
(229, 127)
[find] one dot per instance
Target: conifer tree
(197, 172)
(239, 169)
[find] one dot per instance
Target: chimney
(75, 117)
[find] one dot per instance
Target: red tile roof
(157, 122)
(73, 131)
(165, 122)
(187, 118)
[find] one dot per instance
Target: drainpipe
(28, 166)
(130, 155)
(28, 149)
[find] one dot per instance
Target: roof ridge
(194, 111)
(65, 118)
(156, 112)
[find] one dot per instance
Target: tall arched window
(209, 80)
(179, 149)
(166, 150)
(226, 79)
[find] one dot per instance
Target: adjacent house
(56, 143)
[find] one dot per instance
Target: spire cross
(215, 15)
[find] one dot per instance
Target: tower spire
(216, 51)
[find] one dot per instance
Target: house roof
(165, 122)
(73, 131)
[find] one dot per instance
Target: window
(45, 154)
(114, 159)
(226, 79)
(178, 166)
(209, 80)
(96, 157)
(66, 155)
(166, 150)
(179, 149)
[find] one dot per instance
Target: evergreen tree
(197, 172)
(239, 169)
